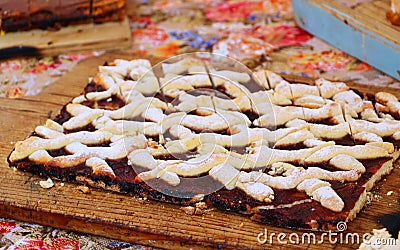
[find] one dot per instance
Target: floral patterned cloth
(259, 33)
(28, 76)
(23, 236)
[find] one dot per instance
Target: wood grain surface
(127, 217)
(83, 37)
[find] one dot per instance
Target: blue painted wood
(354, 38)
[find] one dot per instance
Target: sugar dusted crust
(288, 154)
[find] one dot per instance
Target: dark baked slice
(44, 14)
(289, 154)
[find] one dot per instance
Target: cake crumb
(200, 208)
(46, 184)
(201, 205)
(189, 210)
(369, 197)
(376, 197)
(197, 198)
(84, 189)
(198, 211)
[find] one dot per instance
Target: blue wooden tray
(361, 31)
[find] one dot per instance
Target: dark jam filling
(300, 214)
(252, 86)
(208, 91)
(165, 98)
(114, 103)
(390, 139)
(239, 150)
(169, 136)
(219, 92)
(93, 87)
(371, 166)
(237, 200)
(123, 171)
(126, 179)
(88, 127)
(110, 104)
(234, 200)
(153, 138)
(136, 119)
(181, 156)
(295, 146)
(325, 121)
(347, 141)
(222, 90)
(58, 152)
(197, 131)
(395, 115)
(252, 116)
(188, 187)
(324, 165)
(63, 116)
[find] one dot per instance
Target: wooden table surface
(126, 217)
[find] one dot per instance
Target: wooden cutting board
(82, 37)
(127, 217)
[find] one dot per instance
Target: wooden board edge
(74, 38)
(322, 21)
(98, 228)
(380, 27)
